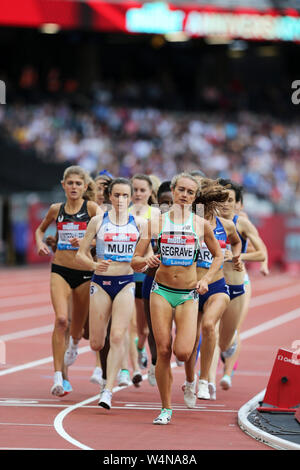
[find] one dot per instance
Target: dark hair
(197, 173)
(212, 195)
(237, 188)
(120, 181)
(140, 176)
(165, 187)
(143, 177)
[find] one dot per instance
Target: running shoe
(137, 378)
(203, 392)
(151, 375)
(67, 387)
(124, 378)
(212, 391)
(142, 356)
(57, 389)
(105, 399)
(225, 382)
(70, 355)
(164, 417)
(189, 395)
(178, 362)
(96, 377)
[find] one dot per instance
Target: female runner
(112, 293)
(67, 279)
(98, 376)
(178, 233)
(236, 281)
(165, 201)
(214, 302)
(141, 200)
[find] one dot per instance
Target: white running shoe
(189, 395)
(124, 378)
(71, 353)
(212, 391)
(151, 376)
(105, 399)
(178, 362)
(225, 382)
(57, 388)
(96, 377)
(203, 392)
(164, 417)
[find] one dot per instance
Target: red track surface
(33, 419)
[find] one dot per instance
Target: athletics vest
(244, 242)
(117, 242)
(205, 257)
(178, 243)
(71, 226)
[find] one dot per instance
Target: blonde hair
(155, 185)
(76, 170)
(184, 175)
(90, 193)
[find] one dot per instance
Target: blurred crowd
(258, 151)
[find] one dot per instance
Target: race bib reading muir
(67, 231)
(119, 246)
(177, 249)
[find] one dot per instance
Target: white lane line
(25, 299)
(27, 313)
(286, 317)
(58, 422)
(254, 302)
(39, 362)
(27, 333)
(271, 297)
(26, 424)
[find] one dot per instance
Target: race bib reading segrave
(119, 246)
(177, 250)
(67, 231)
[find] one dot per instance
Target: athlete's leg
(230, 361)
(80, 311)
(213, 310)
(191, 362)
(162, 319)
(100, 312)
(60, 295)
(230, 321)
(122, 309)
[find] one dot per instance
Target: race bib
(177, 250)
(67, 231)
(119, 246)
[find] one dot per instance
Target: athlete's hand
(202, 286)
(51, 241)
(74, 242)
(102, 265)
(264, 270)
(228, 255)
(153, 261)
(237, 263)
(43, 250)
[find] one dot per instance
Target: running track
(30, 418)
